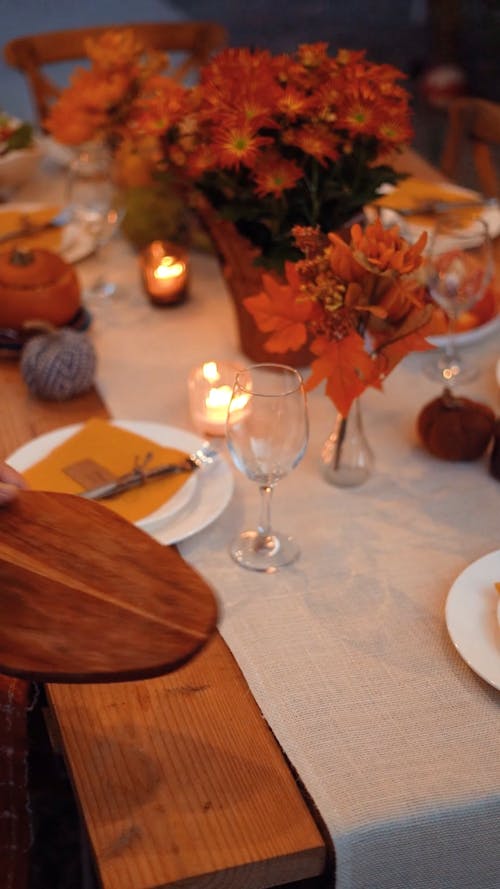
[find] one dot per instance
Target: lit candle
(210, 390)
(164, 272)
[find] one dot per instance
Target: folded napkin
(412, 192)
(114, 450)
(10, 220)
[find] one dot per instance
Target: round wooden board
(87, 597)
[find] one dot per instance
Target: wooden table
(178, 778)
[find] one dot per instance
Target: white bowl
(16, 168)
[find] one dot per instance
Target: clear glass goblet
(267, 433)
(95, 206)
(459, 267)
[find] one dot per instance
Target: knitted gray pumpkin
(58, 365)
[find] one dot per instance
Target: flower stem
(313, 183)
(342, 429)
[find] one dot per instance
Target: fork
(204, 456)
(28, 228)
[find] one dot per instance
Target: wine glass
(459, 267)
(267, 432)
(95, 206)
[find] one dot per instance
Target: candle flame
(169, 267)
(219, 397)
(211, 371)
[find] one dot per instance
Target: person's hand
(10, 482)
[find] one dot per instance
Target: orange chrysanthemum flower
(292, 103)
(118, 48)
(158, 107)
(385, 251)
(100, 90)
(317, 142)
(273, 174)
(238, 143)
(311, 55)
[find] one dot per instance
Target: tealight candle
(210, 390)
(164, 272)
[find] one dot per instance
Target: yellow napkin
(412, 192)
(50, 239)
(115, 450)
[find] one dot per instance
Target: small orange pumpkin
(36, 285)
(455, 428)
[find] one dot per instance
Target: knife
(135, 479)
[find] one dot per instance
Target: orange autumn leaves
(359, 304)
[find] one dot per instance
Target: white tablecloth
(347, 651)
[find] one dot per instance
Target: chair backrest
(473, 122)
(194, 40)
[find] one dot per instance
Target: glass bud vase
(347, 458)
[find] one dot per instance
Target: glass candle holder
(210, 389)
(164, 268)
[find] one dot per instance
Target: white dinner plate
(76, 241)
(469, 337)
(471, 617)
(198, 503)
(490, 214)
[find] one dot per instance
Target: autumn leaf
(411, 337)
(280, 311)
(346, 367)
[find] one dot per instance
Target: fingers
(11, 476)
(7, 493)
(10, 483)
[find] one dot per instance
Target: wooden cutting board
(85, 596)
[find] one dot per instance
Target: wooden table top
(178, 778)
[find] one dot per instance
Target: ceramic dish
(198, 503)
(472, 617)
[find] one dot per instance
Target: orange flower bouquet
(363, 307)
(261, 144)
(271, 141)
(360, 302)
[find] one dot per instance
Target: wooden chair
(194, 40)
(475, 122)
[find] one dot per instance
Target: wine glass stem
(264, 527)
(450, 348)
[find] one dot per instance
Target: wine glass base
(251, 550)
(100, 290)
(446, 371)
